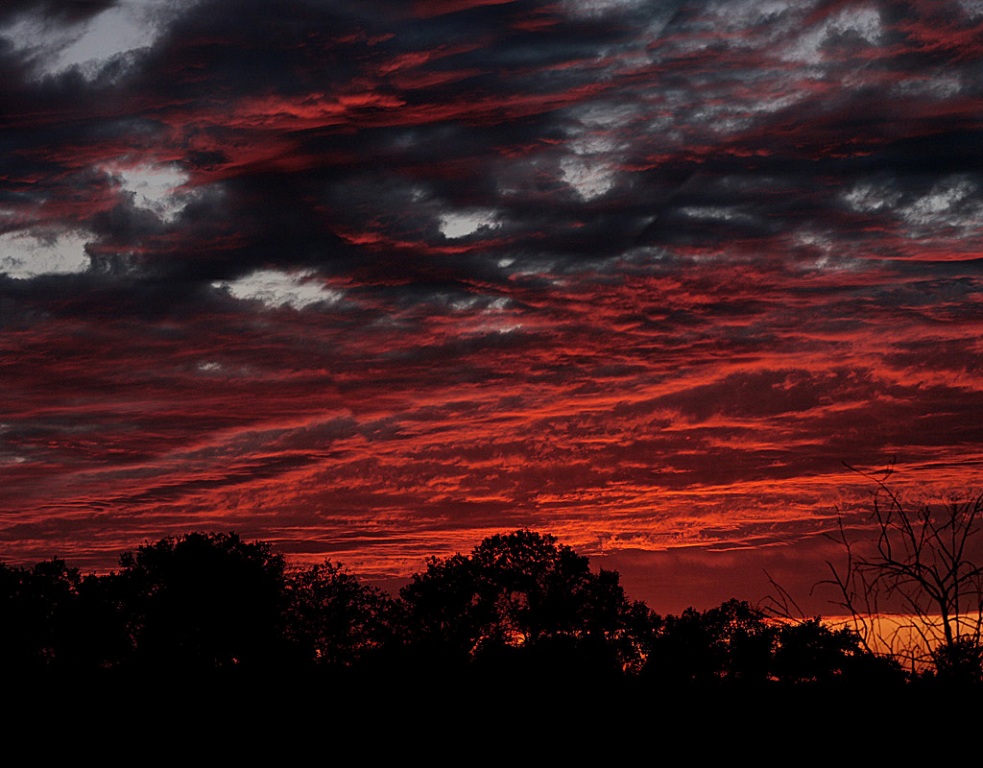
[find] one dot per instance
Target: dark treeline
(209, 646)
(518, 607)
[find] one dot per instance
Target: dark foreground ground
(324, 720)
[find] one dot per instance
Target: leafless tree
(915, 590)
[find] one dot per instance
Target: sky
(373, 281)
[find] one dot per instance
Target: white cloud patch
(827, 255)
(126, 27)
(591, 169)
(739, 24)
(600, 7)
(938, 86)
(489, 315)
(864, 22)
(276, 288)
(154, 187)
(596, 148)
(745, 14)
(946, 205)
(589, 177)
(464, 223)
(24, 255)
(871, 198)
(973, 8)
(486, 303)
(717, 213)
(951, 203)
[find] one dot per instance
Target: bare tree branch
(915, 591)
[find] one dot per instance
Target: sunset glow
(374, 281)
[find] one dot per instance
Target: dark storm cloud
(306, 133)
(206, 59)
(60, 11)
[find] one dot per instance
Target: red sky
(373, 281)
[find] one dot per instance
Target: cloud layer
(372, 281)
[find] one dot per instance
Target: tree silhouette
(97, 630)
(518, 610)
(333, 619)
(924, 572)
(205, 601)
(813, 653)
(37, 606)
(739, 645)
(521, 592)
(732, 643)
